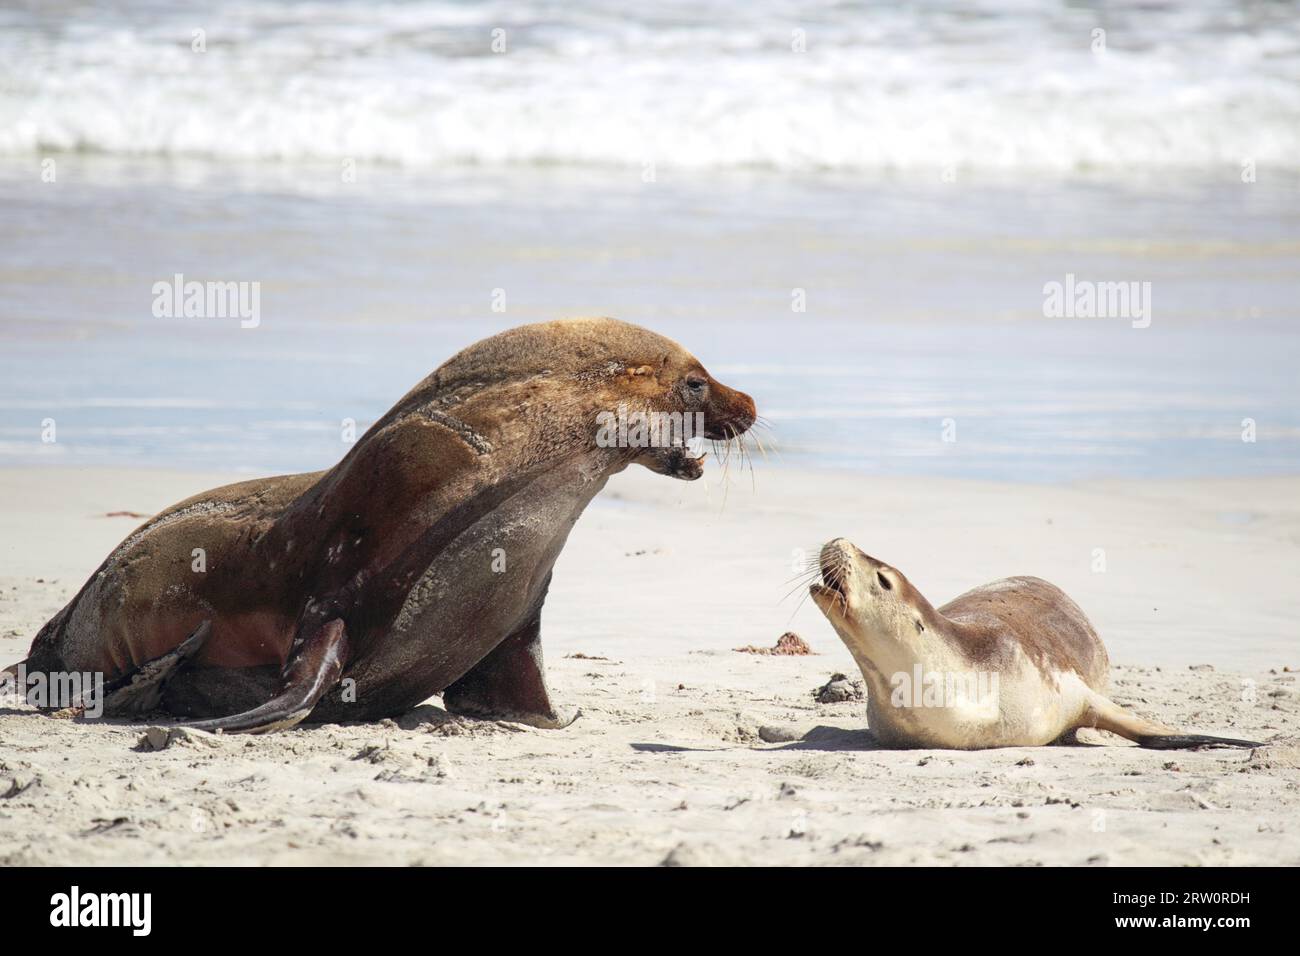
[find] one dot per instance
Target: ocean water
(704, 84)
(859, 234)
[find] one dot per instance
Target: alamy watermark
(977, 690)
(133, 911)
(1084, 299)
(179, 299)
(647, 429)
(56, 690)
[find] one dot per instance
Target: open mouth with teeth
(831, 590)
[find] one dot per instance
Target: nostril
(884, 581)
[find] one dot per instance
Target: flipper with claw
(314, 667)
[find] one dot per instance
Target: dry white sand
(689, 752)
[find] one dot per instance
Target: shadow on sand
(820, 737)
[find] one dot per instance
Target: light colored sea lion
(1014, 663)
(417, 565)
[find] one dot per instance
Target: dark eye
(884, 581)
(696, 384)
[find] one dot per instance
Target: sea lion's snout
(836, 558)
(837, 561)
(730, 413)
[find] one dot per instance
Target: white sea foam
(688, 85)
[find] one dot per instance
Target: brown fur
(1051, 629)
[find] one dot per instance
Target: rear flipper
(1185, 741)
(315, 666)
(141, 690)
(136, 692)
(1105, 714)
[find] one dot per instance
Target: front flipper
(510, 684)
(314, 667)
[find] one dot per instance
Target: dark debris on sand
(788, 644)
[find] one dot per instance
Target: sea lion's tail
(1105, 714)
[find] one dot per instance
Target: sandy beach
(687, 751)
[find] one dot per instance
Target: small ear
(641, 370)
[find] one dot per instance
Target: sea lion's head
(598, 386)
(864, 598)
(667, 404)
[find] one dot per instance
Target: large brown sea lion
(417, 565)
(1014, 663)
